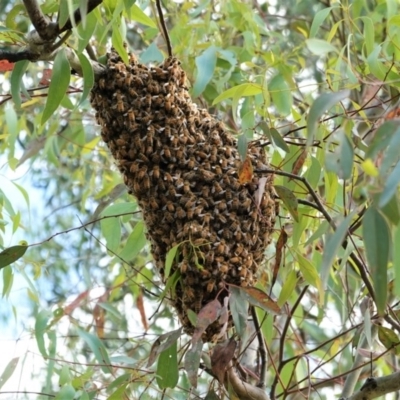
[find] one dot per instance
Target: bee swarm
(182, 166)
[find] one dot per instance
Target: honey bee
(189, 292)
(169, 217)
(171, 191)
(130, 115)
(168, 102)
(102, 83)
(153, 203)
(180, 213)
(146, 182)
(142, 172)
(153, 87)
(132, 93)
(134, 167)
(186, 187)
(217, 188)
(128, 80)
(210, 285)
(120, 106)
(190, 203)
(137, 81)
(156, 172)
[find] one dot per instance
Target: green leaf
(135, 243)
(320, 47)
(390, 186)
(245, 89)
(138, 15)
(319, 107)
(341, 161)
(111, 230)
(396, 261)
(281, 95)
(151, 54)
(41, 323)
(98, 349)
(288, 287)
(17, 84)
(278, 140)
(167, 368)
(118, 43)
(239, 309)
(389, 339)
(319, 19)
(382, 138)
(309, 271)
(333, 243)
(170, 259)
(8, 279)
(289, 199)
(88, 77)
(58, 85)
(192, 362)
(205, 64)
(8, 371)
(67, 392)
(11, 254)
(377, 241)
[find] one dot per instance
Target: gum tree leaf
(158, 346)
(377, 241)
(390, 187)
(17, 84)
(319, 107)
(389, 339)
(167, 368)
(239, 307)
(135, 242)
(98, 349)
(245, 89)
(205, 64)
(333, 243)
(281, 95)
(192, 362)
(206, 316)
(88, 76)
(289, 199)
(8, 371)
(258, 298)
(170, 259)
(58, 85)
(11, 254)
(221, 357)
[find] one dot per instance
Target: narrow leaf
(377, 241)
(167, 368)
(205, 64)
(8, 371)
(289, 199)
(11, 254)
(98, 349)
(192, 362)
(58, 85)
(319, 107)
(169, 260)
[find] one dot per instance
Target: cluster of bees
(182, 166)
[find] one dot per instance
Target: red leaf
(140, 306)
(46, 77)
(68, 309)
(6, 66)
(207, 315)
(280, 244)
(221, 357)
(245, 171)
(298, 164)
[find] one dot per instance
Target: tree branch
(244, 390)
(377, 387)
(46, 29)
(91, 5)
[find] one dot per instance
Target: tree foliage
(316, 85)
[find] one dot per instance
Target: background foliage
(317, 84)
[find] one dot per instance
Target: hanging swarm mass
(182, 166)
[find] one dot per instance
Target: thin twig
(261, 348)
(164, 27)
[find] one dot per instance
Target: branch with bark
(377, 387)
(42, 44)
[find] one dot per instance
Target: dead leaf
(192, 362)
(245, 171)
(6, 66)
(258, 298)
(46, 77)
(207, 315)
(99, 320)
(258, 195)
(280, 244)
(71, 307)
(158, 346)
(298, 164)
(140, 306)
(221, 357)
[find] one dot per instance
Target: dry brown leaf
(245, 171)
(221, 357)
